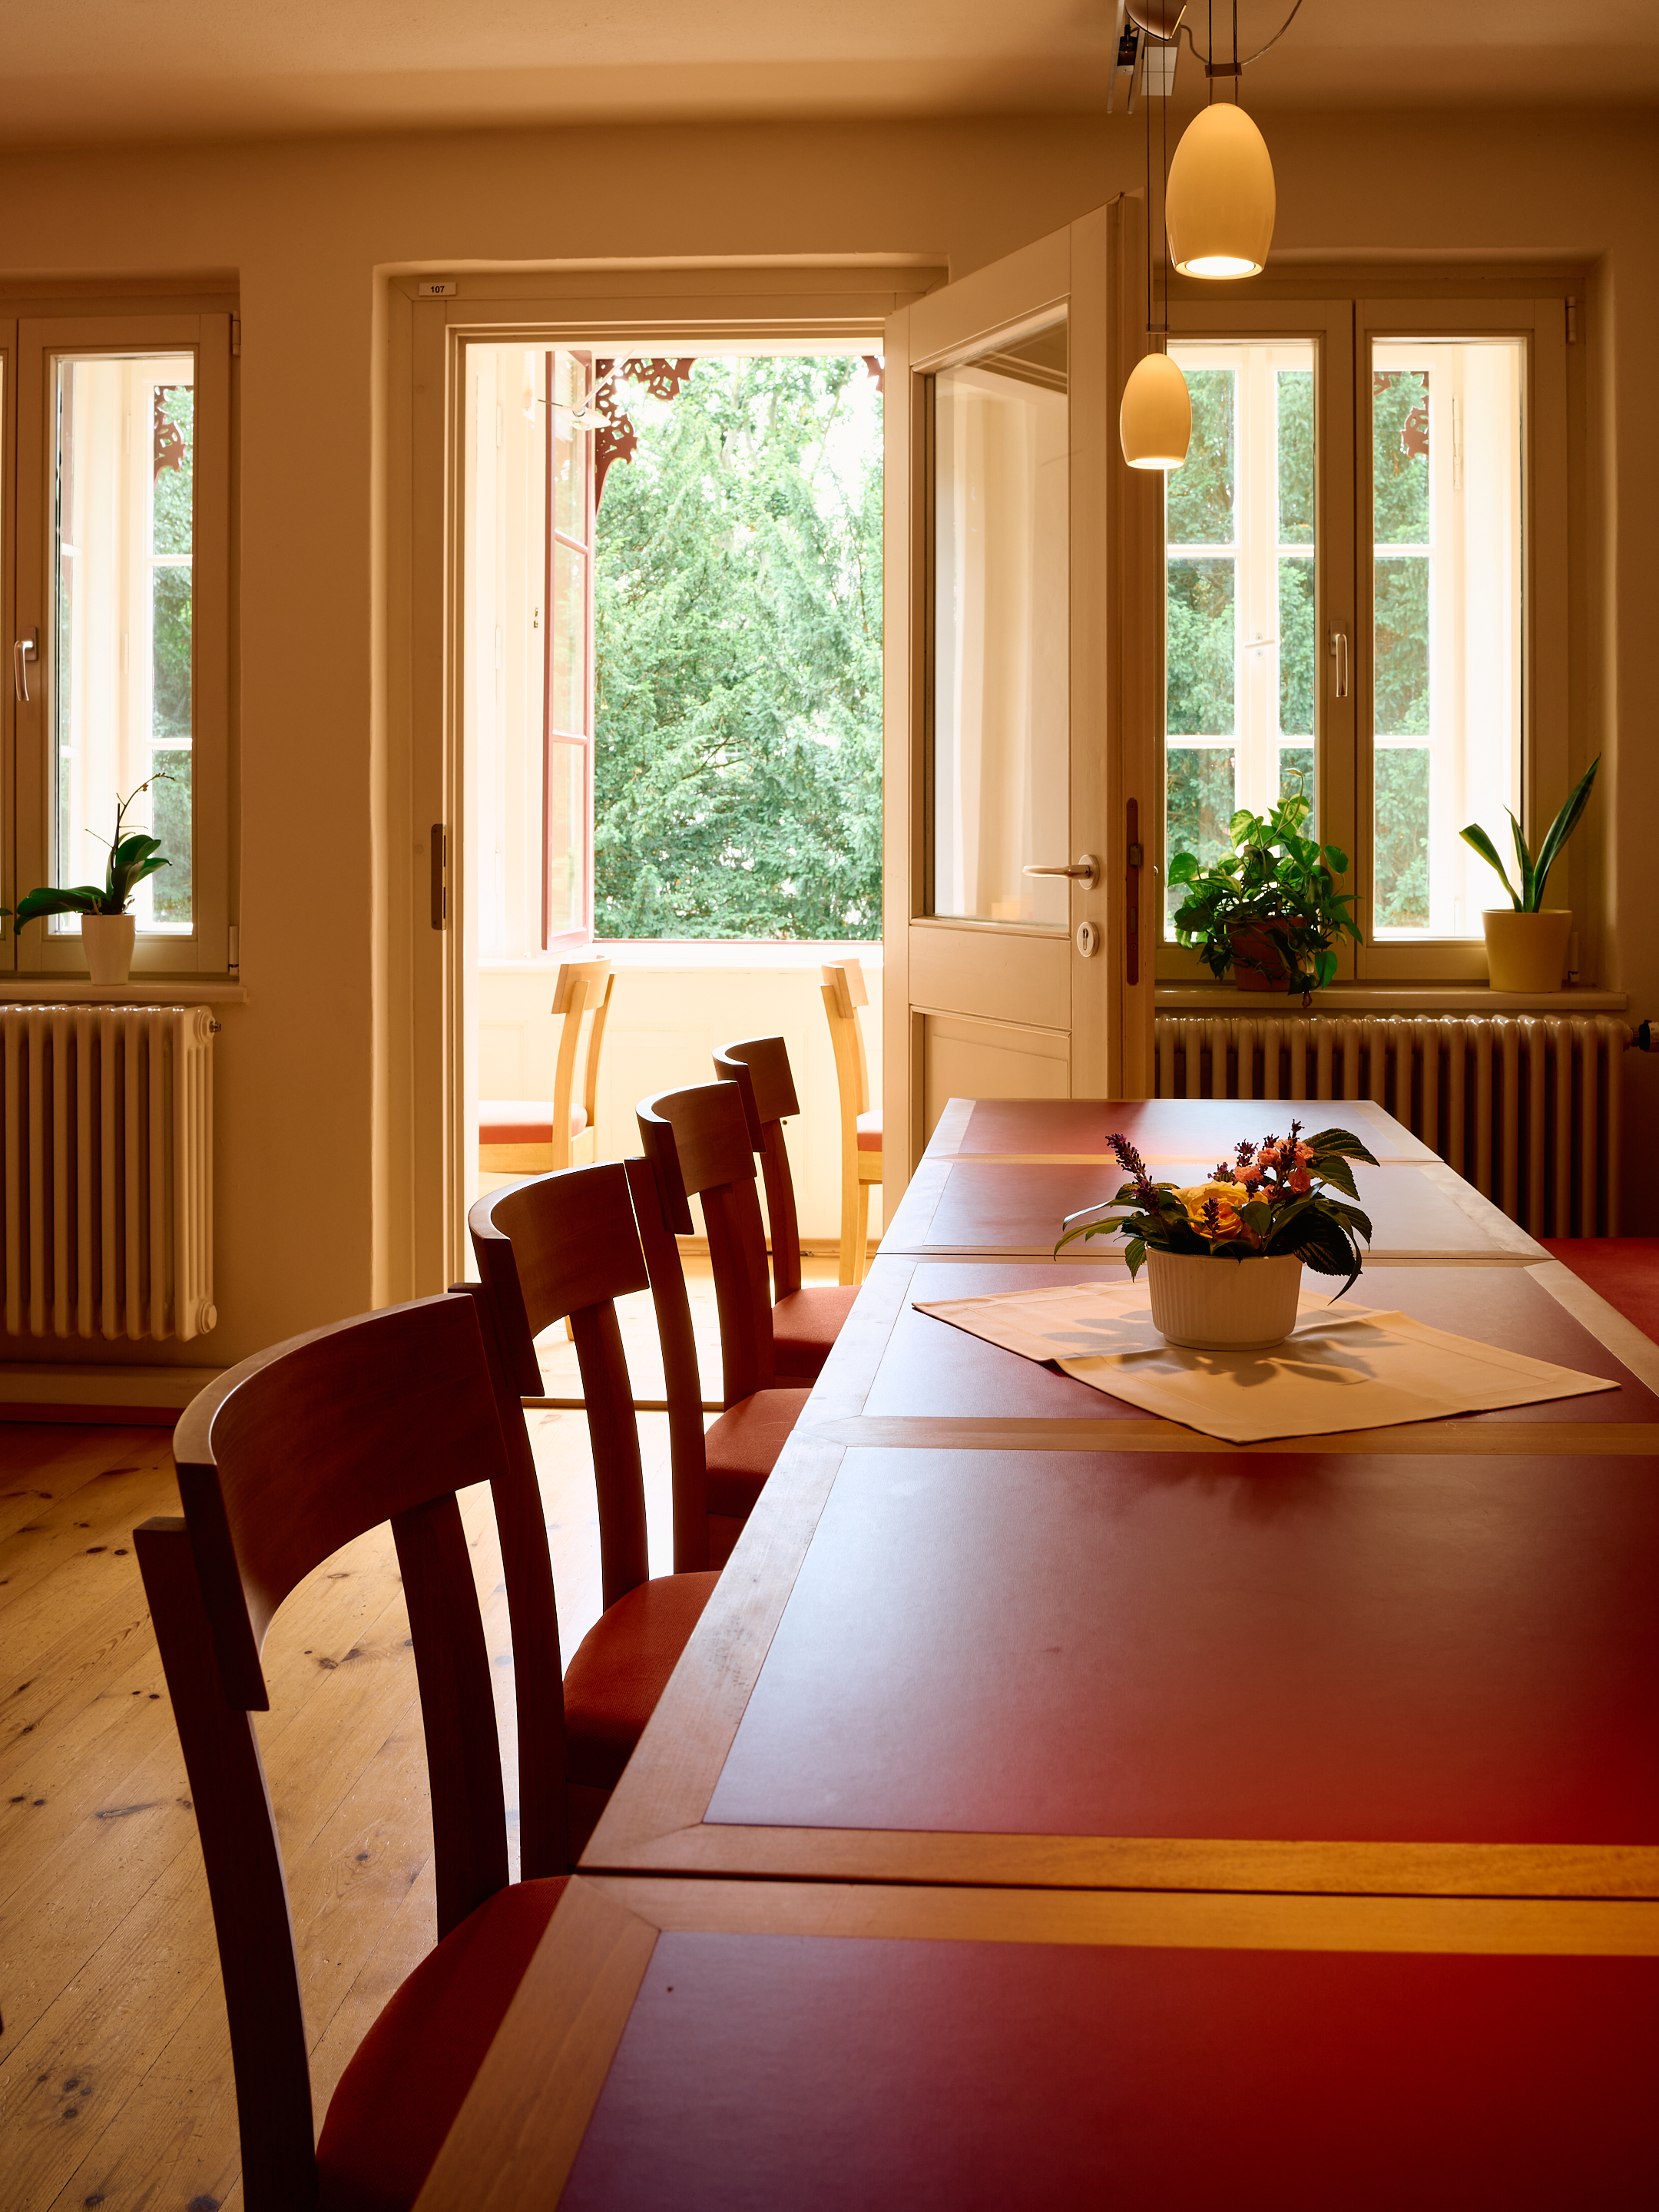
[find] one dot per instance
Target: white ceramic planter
(1223, 1305)
(1526, 951)
(108, 941)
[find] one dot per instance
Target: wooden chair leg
(852, 1242)
(862, 1234)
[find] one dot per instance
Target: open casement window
(529, 498)
(1365, 600)
(122, 627)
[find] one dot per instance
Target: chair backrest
(698, 1144)
(281, 1460)
(760, 1068)
(567, 1246)
(582, 988)
(844, 992)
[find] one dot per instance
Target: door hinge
(233, 946)
(440, 876)
(236, 336)
(1573, 322)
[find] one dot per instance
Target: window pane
(1446, 448)
(1297, 649)
(570, 481)
(1239, 636)
(1202, 798)
(1001, 633)
(1295, 394)
(568, 691)
(1400, 456)
(121, 694)
(1401, 644)
(1201, 698)
(1199, 494)
(1403, 837)
(567, 819)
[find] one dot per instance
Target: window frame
(1344, 321)
(33, 341)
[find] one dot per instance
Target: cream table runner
(1344, 1367)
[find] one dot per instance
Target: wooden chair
(281, 1460)
(531, 1136)
(805, 1322)
(565, 1247)
(697, 1144)
(844, 992)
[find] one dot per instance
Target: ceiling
(98, 70)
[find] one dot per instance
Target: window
(122, 504)
(1354, 552)
(673, 645)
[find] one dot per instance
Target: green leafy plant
(1276, 879)
(1272, 1201)
(1534, 874)
(132, 856)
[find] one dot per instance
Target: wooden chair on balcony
(805, 1322)
(698, 1145)
(844, 992)
(281, 1460)
(533, 1136)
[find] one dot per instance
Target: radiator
(1526, 1107)
(108, 1188)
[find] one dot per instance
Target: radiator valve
(1645, 1039)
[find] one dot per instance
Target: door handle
(23, 651)
(440, 876)
(1086, 871)
(1339, 655)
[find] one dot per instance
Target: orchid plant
(1276, 1200)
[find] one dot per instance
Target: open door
(1024, 665)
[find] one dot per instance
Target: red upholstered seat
(397, 2099)
(743, 1447)
(804, 1325)
(870, 1130)
(523, 1120)
(1623, 1270)
(612, 1684)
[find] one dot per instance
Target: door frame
(425, 1087)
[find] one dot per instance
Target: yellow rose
(1228, 1196)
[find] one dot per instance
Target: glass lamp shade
(1220, 198)
(1154, 421)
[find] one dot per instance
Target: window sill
(142, 991)
(697, 952)
(1383, 999)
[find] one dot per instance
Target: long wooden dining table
(1276, 1734)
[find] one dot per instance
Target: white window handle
(1339, 655)
(23, 651)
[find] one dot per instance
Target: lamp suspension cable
(1155, 418)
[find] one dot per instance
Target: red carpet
(1624, 1270)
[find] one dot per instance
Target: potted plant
(107, 929)
(1526, 941)
(1224, 1258)
(1268, 910)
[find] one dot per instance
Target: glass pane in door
(120, 646)
(1000, 633)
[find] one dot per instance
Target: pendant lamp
(1154, 421)
(1219, 208)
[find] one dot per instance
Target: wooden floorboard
(115, 2077)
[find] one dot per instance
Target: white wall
(672, 1005)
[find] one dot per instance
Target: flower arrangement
(1272, 1201)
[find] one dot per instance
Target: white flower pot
(108, 940)
(1223, 1305)
(1526, 951)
